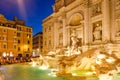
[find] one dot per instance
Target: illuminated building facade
(37, 44)
(95, 22)
(15, 37)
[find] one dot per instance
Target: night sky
(31, 11)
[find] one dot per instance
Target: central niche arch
(75, 23)
(75, 19)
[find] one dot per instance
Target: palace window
(28, 42)
(30, 30)
(18, 41)
(41, 47)
(15, 32)
(5, 46)
(4, 37)
(14, 38)
(19, 28)
(4, 30)
(18, 48)
(18, 34)
(28, 49)
(28, 35)
(14, 46)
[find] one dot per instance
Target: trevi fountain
(98, 62)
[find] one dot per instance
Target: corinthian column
(64, 30)
(86, 26)
(68, 35)
(106, 20)
(55, 33)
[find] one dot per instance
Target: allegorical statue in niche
(97, 33)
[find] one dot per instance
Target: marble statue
(74, 41)
(97, 33)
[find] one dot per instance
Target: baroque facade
(15, 37)
(96, 23)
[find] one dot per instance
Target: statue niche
(97, 32)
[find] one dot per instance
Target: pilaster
(64, 30)
(106, 20)
(55, 33)
(86, 26)
(68, 35)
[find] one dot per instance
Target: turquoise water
(26, 72)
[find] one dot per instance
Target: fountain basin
(27, 72)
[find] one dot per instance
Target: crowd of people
(13, 60)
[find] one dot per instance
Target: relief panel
(117, 9)
(117, 18)
(96, 9)
(117, 4)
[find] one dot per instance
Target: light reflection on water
(26, 72)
